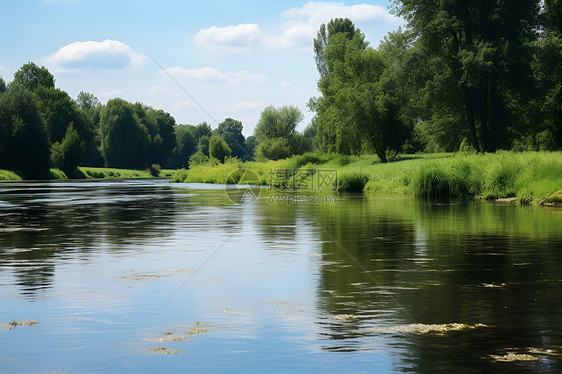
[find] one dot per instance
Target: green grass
(6, 175)
(112, 173)
(530, 176)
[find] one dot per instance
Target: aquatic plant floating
(420, 328)
(13, 324)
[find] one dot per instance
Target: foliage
(218, 148)
(360, 107)
(273, 149)
(154, 170)
(24, 146)
(68, 154)
(185, 146)
(32, 76)
(278, 122)
(3, 87)
(231, 131)
(124, 140)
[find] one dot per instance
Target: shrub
(352, 181)
(154, 170)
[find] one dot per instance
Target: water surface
(118, 272)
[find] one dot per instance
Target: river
(149, 276)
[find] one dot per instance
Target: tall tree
(231, 131)
(2, 86)
(218, 148)
(32, 76)
(123, 138)
(279, 122)
(478, 58)
(23, 140)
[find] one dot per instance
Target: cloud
(297, 31)
(286, 84)
(208, 74)
(230, 39)
(106, 55)
(304, 22)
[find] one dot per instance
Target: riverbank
(528, 177)
(93, 173)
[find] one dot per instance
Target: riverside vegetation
(531, 177)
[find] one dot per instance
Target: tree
(231, 131)
(203, 145)
(2, 86)
(185, 146)
(68, 154)
(164, 141)
(477, 58)
(123, 138)
(278, 122)
(201, 130)
(273, 149)
(87, 101)
(23, 141)
(218, 148)
(32, 76)
(361, 104)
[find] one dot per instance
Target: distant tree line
(43, 127)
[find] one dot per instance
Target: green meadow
(530, 177)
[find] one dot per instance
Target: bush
(352, 181)
(273, 149)
(154, 170)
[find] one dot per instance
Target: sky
(200, 61)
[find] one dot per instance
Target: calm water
(111, 270)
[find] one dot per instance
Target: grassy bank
(531, 177)
(93, 173)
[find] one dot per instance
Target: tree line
(41, 127)
(480, 75)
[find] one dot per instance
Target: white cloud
(112, 94)
(298, 31)
(242, 105)
(107, 55)
(208, 74)
(304, 22)
(230, 39)
(286, 84)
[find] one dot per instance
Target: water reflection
(324, 278)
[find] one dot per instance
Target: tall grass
(529, 176)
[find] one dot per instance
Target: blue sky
(234, 58)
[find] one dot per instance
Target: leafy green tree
(86, 101)
(68, 154)
(2, 86)
(123, 138)
(477, 58)
(165, 140)
(201, 130)
(32, 76)
(360, 109)
(203, 145)
(273, 149)
(23, 140)
(231, 131)
(278, 122)
(185, 146)
(250, 145)
(218, 148)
